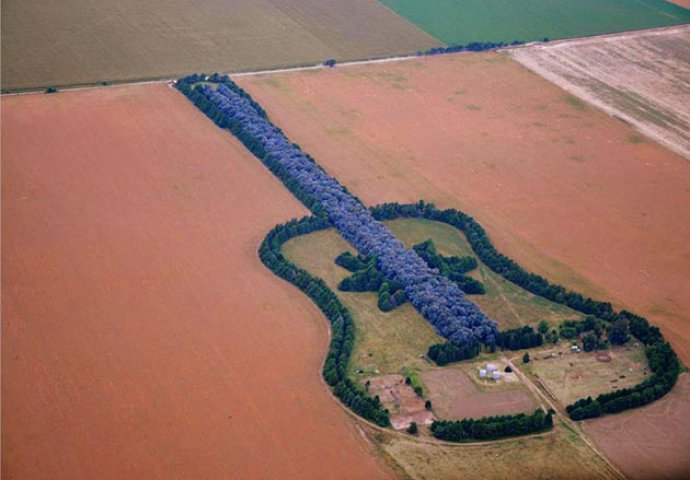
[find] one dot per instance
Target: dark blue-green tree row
(437, 298)
(491, 428)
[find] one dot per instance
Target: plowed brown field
(566, 190)
(141, 336)
(650, 443)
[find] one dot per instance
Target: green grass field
(505, 302)
(460, 22)
(393, 342)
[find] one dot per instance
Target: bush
(525, 358)
(412, 429)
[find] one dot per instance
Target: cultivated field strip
(642, 78)
(90, 41)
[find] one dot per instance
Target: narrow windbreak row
(438, 299)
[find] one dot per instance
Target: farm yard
(649, 442)
(455, 394)
(159, 337)
(559, 186)
(569, 376)
(461, 22)
(92, 41)
(621, 75)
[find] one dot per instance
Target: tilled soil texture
(650, 443)
(642, 78)
(90, 41)
(454, 396)
(561, 187)
(142, 337)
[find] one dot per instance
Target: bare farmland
(649, 443)
(642, 78)
(86, 41)
(455, 396)
(141, 335)
(563, 188)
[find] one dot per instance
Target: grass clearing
(505, 302)
(571, 376)
(393, 342)
(386, 343)
(556, 455)
(455, 22)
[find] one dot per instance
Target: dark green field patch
(464, 21)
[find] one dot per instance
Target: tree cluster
(368, 278)
(445, 353)
(452, 267)
(436, 297)
(519, 338)
(491, 428)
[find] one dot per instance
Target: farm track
(562, 415)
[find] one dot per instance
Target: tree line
(342, 326)
(492, 428)
(470, 47)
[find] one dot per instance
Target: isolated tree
(412, 429)
(525, 358)
(427, 404)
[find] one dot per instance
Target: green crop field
(463, 21)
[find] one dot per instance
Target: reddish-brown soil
(454, 396)
(682, 3)
(563, 188)
(650, 443)
(141, 335)
(401, 400)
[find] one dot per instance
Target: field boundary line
(318, 66)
